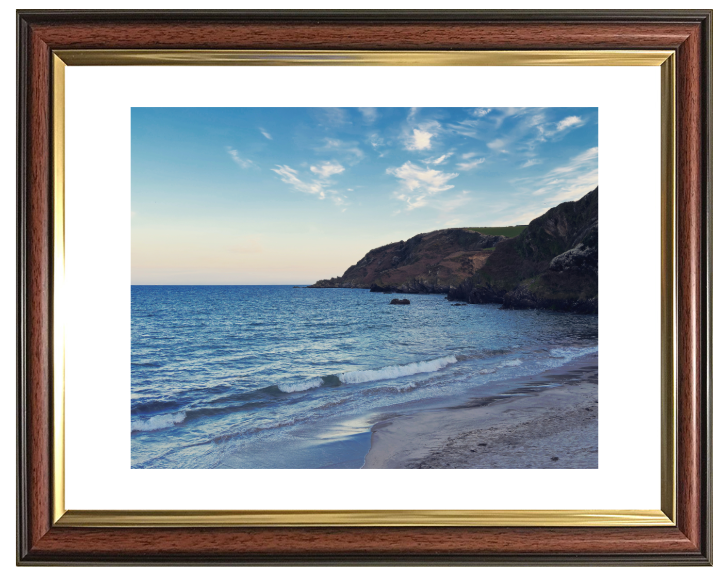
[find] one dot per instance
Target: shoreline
(549, 420)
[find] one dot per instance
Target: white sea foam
(301, 386)
(390, 372)
(158, 422)
(507, 363)
(487, 371)
(572, 352)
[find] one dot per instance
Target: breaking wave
(301, 386)
(158, 422)
(362, 376)
(389, 372)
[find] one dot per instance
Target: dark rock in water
(459, 304)
(297, 286)
(398, 301)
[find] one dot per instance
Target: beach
(548, 420)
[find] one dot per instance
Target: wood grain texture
(692, 309)
(37, 255)
(365, 36)
(41, 32)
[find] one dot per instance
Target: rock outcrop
(433, 263)
(552, 264)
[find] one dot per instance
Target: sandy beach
(545, 421)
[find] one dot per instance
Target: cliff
(552, 264)
(434, 262)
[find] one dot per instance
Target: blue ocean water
(283, 377)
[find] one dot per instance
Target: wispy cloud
(498, 145)
(335, 116)
(439, 160)
(418, 183)
(531, 162)
(569, 181)
(569, 122)
(471, 164)
(349, 150)
(578, 162)
(480, 112)
(327, 169)
(369, 114)
(240, 161)
(265, 133)
(319, 186)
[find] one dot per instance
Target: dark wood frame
(688, 33)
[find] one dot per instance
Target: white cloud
(440, 160)
(497, 145)
(468, 155)
(290, 176)
(319, 186)
(569, 122)
(480, 112)
(265, 133)
(235, 155)
(471, 164)
(420, 137)
(327, 169)
(419, 183)
(419, 140)
(531, 162)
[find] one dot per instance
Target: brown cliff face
(433, 262)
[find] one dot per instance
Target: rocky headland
(552, 264)
(434, 263)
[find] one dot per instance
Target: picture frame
(680, 41)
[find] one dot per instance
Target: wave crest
(301, 386)
(158, 422)
(388, 372)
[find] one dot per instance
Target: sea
(294, 377)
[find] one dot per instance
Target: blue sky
(291, 195)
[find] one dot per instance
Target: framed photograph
(302, 287)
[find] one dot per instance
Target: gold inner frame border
(665, 516)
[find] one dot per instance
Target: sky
(292, 195)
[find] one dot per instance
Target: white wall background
(7, 229)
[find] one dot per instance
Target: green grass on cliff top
(507, 231)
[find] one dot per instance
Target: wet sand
(545, 421)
